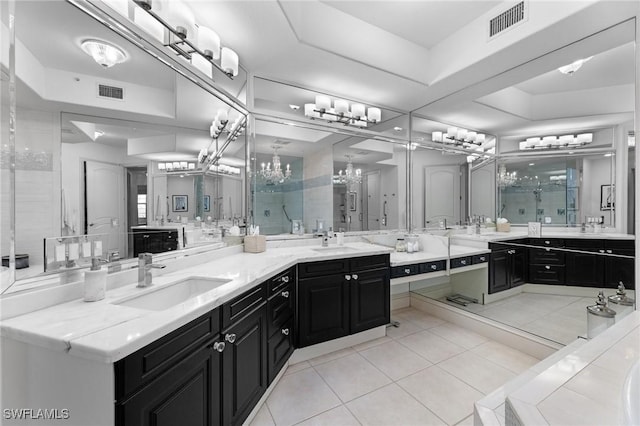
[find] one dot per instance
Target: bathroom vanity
(139, 358)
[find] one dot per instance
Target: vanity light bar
(556, 142)
(342, 112)
(459, 136)
(173, 166)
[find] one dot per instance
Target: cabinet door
(188, 394)
(323, 305)
(584, 270)
(498, 271)
(280, 348)
(369, 299)
(517, 266)
(244, 366)
(620, 269)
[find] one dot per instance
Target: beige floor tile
(263, 417)
(339, 416)
(395, 360)
(458, 335)
(421, 319)
(403, 329)
(477, 371)
(466, 422)
(433, 348)
(299, 396)
(389, 406)
(351, 376)
(371, 343)
(331, 356)
(294, 368)
(505, 356)
(445, 395)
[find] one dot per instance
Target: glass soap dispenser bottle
(95, 282)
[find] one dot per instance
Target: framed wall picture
(180, 203)
(607, 197)
(207, 203)
(353, 201)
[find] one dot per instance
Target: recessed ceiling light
(397, 129)
(574, 66)
(104, 53)
(532, 164)
(608, 154)
(97, 134)
(294, 107)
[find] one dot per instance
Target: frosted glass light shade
(341, 106)
(452, 132)
(462, 134)
(149, 24)
(531, 142)
(480, 138)
(203, 65)
(229, 61)
(105, 54)
(357, 111)
(180, 16)
(436, 136)
(374, 114)
(585, 137)
(323, 103)
(222, 116)
(310, 111)
(471, 136)
(209, 42)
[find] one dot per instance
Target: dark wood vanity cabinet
(584, 267)
(341, 297)
(154, 240)
(619, 269)
(546, 263)
(507, 266)
(280, 313)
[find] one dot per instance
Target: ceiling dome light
(574, 66)
(104, 53)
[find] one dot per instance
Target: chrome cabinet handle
(230, 338)
(355, 276)
(219, 346)
(407, 271)
(601, 251)
(347, 277)
(547, 242)
(547, 267)
(547, 249)
(463, 262)
(609, 251)
(285, 279)
(482, 258)
(285, 294)
(434, 267)
(285, 331)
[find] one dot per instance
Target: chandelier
(350, 175)
(506, 178)
(272, 173)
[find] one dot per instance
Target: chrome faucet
(145, 263)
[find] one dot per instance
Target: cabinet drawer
(546, 274)
(280, 308)
(546, 256)
(459, 262)
(404, 270)
(242, 305)
(369, 262)
(625, 245)
(480, 258)
(147, 363)
(547, 242)
(280, 347)
(327, 267)
(438, 265)
(276, 284)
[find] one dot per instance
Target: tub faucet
(145, 263)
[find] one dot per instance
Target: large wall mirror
(541, 172)
(334, 173)
(104, 151)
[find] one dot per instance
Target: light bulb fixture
(556, 142)
(506, 178)
(104, 53)
(219, 124)
(350, 176)
(342, 112)
(574, 66)
(272, 173)
(176, 166)
(184, 36)
(459, 137)
(224, 169)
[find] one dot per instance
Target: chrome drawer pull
(434, 267)
(610, 251)
(407, 271)
(347, 277)
(285, 279)
(285, 294)
(463, 262)
(230, 338)
(219, 346)
(285, 331)
(355, 276)
(547, 267)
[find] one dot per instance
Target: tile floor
(425, 372)
(558, 318)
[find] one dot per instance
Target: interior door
(105, 205)
(442, 194)
(373, 201)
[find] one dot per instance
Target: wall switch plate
(535, 229)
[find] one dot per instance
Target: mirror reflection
(96, 142)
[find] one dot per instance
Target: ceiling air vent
(507, 19)
(111, 92)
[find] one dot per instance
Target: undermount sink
(166, 297)
(333, 248)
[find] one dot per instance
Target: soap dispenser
(95, 282)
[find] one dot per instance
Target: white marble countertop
(107, 332)
(546, 233)
(586, 386)
(400, 259)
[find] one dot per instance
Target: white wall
(596, 172)
(318, 187)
